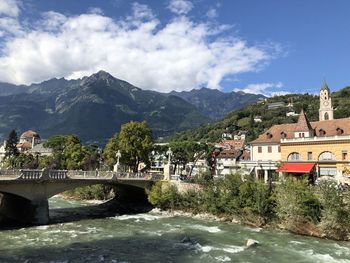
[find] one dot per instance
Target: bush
(296, 202)
(92, 192)
(335, 220)
(163, 195)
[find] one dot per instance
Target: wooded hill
(243, 119)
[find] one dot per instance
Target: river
(155, 238)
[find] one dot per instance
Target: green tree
(69, 153)
(163, 195)
(11, 151)
(109, 152)
(135, 143)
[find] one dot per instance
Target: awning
(296, 168)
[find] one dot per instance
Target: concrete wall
(275, 155)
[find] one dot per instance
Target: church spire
(303, 124)
(325, 86)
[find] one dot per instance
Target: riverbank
(319, 211)
(305, 229)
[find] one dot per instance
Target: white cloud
(180, 7)
(212, 13)
(95, 10)
(179, 55)
(9, 8)
(267, 89)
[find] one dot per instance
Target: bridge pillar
(41, 212)
(18, 209)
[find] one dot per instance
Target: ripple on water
(318, 257)
(138, 217)
(210, 229)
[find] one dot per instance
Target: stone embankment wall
(183, 187)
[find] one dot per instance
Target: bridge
(25, 193)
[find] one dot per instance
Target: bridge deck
(54, 175)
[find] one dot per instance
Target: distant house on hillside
(276, 105)
(257, 119)
(291, 113)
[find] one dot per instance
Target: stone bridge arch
(31, 191)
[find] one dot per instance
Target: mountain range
(95, 107)
(217, 104)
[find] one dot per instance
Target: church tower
(326, 110)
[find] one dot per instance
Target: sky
(269, 47)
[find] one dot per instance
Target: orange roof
(303, 123)
(233, 144)
(330, 127)
(24, 145)
(30, 134)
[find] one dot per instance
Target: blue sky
(256, 46)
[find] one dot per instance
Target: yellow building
(317, 148)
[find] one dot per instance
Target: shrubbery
(324, 209)
(93, 192)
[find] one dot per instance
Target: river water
(155, 238)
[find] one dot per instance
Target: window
(326, 156)
(279, 148)
(322, 132)
(269, 149)
(259, 149)
(309, 156)
(283, 135)
(269, 135)
(326, 116)
(340, 131)
(344, 155)
(301, 135)
(294, 156)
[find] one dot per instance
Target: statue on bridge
(116, 166)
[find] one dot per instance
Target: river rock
(251, 243)
(186, 239)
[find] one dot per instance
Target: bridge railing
(13, 173)
(58, 174)
(29, 174)
(95, 174)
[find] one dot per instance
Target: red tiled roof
(230, 154)
(30, 134)
(303, 123)
(233, 144)
(328, 126)
(24, 145)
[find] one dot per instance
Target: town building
(227, 154)
(29, 143)
(315, 148)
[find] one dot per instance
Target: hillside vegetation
(243, 119)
